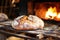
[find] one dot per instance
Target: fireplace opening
(48, 10)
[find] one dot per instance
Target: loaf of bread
(30, 22)
(3, 17)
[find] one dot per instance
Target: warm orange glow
(58, 16)
(51, 13)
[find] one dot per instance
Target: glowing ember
(57, 18)
(51, 13)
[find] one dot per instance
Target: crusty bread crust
(28, 23)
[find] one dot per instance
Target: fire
(58, 16)
(51, 13)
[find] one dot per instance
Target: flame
(58, 16)
(51, 13)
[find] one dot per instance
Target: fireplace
(48, 10)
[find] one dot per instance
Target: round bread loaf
(30, 22)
